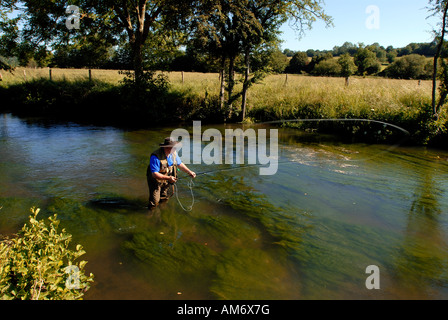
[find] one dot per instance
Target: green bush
(38, 264)
(328, 68)
(413, 66)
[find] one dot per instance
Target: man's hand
(172, 179)
(192, 174)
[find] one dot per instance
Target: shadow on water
(117, 203)
(422, 259)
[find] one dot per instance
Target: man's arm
(184, 168)
(155, 167)
(159, 176)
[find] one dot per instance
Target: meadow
(404, 103)
(281, 92)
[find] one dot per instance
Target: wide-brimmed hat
(169, 143)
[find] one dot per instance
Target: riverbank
(184, 97)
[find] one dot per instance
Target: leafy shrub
(413, 66)
(329, 68)
(38, 264)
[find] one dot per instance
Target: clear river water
(308, 232)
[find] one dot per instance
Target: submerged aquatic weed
(253, 274)
(172, 259)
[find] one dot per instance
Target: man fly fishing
(162, 172)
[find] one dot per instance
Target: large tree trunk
(140, 38)
(222, 90)
(245, 85)
(138, 63)
(231, 85)
(138, 35)
(436, 59)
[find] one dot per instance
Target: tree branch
(125, 19)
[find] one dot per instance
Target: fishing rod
(385, 124)
(406, 133)
(337, 120)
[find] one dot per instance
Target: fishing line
(406, 133)
(190, 184)
(337, 120)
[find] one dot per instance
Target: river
(308, 232)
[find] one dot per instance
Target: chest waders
(159, 189)
(164, 168)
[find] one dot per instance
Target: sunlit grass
(329, 97)
(278, 91)
(277, 96)
(27, 74)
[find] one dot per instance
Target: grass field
(374, 92)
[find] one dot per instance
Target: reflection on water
(308, 232)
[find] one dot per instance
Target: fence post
(182, 77)
(90, 75)
(51, 78)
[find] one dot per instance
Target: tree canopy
(227, 31)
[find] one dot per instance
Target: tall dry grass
(20, 75)
(333, 98)
(283, 95)
(275, 91)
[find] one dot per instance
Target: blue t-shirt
(154, 163)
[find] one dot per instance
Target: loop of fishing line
(190, 185)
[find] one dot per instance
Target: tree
(90, 51)
(289, 53)
(366, 62)
(348, 67)
(318, 58)
(44, 22)
(278, 61)
(439, 7)
(347, 47)
(8, 31)
(298, 63)
(380, 52)
(228, 29)
(391, 55)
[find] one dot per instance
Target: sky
(389, 22)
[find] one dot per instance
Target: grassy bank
(71, 95)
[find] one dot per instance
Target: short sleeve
(154, 164)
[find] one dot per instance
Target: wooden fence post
(51, 78)
(90, 75)
(182, 77)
